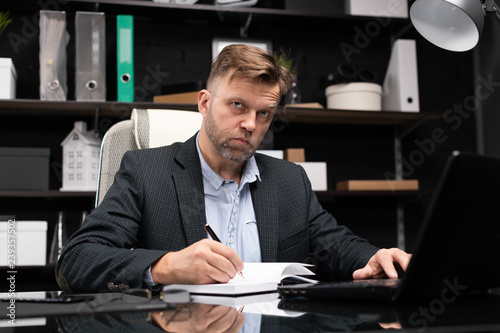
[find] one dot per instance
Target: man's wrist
(160, 270)
(148, 278)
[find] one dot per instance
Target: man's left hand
(383, 264)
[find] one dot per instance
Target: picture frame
(219, 43)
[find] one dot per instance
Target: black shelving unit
(169, 34)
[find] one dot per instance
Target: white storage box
(30, 242)
(8, 79)
(354, 96)
(272, 153)
(382, 8)
(316, 172)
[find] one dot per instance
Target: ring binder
(53, 41)
(400, 90)
(90, 79)
(125, 58)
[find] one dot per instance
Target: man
(149, 228)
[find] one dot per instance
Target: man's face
(238, 116)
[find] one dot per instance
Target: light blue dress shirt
(229, 209)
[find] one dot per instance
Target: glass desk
(108, 312)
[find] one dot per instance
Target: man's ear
(203, 101)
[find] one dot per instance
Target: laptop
(457, 249)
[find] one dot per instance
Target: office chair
(146, 128)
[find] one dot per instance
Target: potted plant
(7, 71)
(287, 62)
(4, 21)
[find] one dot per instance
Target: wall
(180, 52)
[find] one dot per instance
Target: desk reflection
(200, 318)
(468, 313)
(205, 318)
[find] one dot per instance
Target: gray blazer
(156, 205)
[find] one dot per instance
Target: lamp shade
(453, 25)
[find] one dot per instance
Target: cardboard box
(295, 155)
(378, 185)
(8, 79)
(316, 172)
(312, 105)
(181, 93)
(382, 8)
(24, 168)
(30, 242)
(181, 98)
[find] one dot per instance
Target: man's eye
(265, 114)
(237, 104)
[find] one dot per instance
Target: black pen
(215, 238)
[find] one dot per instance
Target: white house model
(80, 159)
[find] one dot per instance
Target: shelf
(40, 267)
(33, 107)
(331, 116)
(29, 107)
(334, 193)
(208, 13)
(45, 194)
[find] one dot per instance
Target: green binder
(125, 57)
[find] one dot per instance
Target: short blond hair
(249, 62)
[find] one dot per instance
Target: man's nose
(249, 121)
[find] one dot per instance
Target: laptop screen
(458, 246)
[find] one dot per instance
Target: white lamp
(453, 25)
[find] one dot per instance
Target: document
(259, 278)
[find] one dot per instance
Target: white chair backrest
(146, 128)
(156, 128)
(117, 140)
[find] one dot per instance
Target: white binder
(53, 42)
(400, 90)
(90, 78)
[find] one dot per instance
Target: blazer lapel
(188, 184)
(265, 202)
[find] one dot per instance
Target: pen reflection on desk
(215, 238)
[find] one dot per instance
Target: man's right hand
(204, 262)
(204, 318)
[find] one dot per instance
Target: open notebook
(259, 278)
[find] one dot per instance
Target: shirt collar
(250, 170)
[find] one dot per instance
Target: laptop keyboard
(373, 283)
(381, 288)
